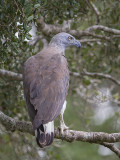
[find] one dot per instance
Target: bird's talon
(62, 128)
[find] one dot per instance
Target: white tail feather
(49, 127)
(45, 134)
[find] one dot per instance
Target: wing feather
(47, 87)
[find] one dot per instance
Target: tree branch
(101, 75)
(103, 28)
(18, 76)
(45, 43)
(13, 125)
(69, 135)
(112, 147)
(88, 40)
(47, 29)
(95, 9)
(11, 75)
(95, 74)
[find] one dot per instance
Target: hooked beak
(77, 44)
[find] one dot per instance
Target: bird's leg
(62, 124)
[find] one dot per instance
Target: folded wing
(45, 87)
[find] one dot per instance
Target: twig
(89, 40)
(112, 147)
(101, 75)
(96, 75)
(95, 9)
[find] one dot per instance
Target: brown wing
(47, 89)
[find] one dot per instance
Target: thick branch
(69, 135)
(11, 75)
(47, 29)
(12, 124)
(103, 28)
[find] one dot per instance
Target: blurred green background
(93, 102)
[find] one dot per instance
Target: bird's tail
(45, 134)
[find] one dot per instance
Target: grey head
(63, 40)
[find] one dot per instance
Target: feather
(45, 134)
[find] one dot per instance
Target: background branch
(112, 147)
(95, 9)
(18, 76)
(103, 28)
(96, 75)
(38, 38)
(101, 75)
(11, 75)
(47, 29)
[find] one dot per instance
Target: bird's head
(64, 40)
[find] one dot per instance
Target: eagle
(45, 83)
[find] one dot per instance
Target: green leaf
(30, 18)
(28, 36)
(37, 5)
(86, 81)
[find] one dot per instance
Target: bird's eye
(70, 38)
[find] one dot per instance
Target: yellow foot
(62, 128)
